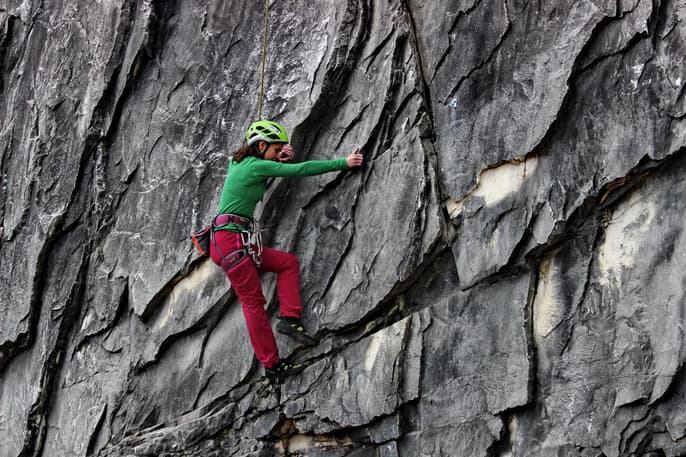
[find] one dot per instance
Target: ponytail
(246, 151)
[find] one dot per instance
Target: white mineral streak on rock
(188, 286)
(372, 351)
(453, 207)
(547, 310)
(621, 249)
(497, 183)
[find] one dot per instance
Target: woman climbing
(236, 245)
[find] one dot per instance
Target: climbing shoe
(293, 328)
(283, 369)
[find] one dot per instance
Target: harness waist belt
(224, 219)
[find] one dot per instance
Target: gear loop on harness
(252, 240)
(249, 238)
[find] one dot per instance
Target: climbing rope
(264, 58)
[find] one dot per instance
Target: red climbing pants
(245, 280)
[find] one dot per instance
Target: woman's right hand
(286, 154)
(354, 160)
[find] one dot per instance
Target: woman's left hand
(286, 154)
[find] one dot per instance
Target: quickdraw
(252, 240)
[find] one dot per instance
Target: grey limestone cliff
(505, 275)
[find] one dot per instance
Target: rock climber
(236, 245)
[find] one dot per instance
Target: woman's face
(273, 151)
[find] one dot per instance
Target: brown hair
(245, 151)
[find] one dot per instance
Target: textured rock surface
(504, 276)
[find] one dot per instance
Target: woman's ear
(262, 146)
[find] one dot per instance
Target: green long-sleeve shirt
(246, 181)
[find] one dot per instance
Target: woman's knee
(292, 262)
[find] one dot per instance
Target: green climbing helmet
(268, 131)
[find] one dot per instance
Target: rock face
(504, 276)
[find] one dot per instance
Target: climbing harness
(225, 219)
(251, 238)
(264, 58)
